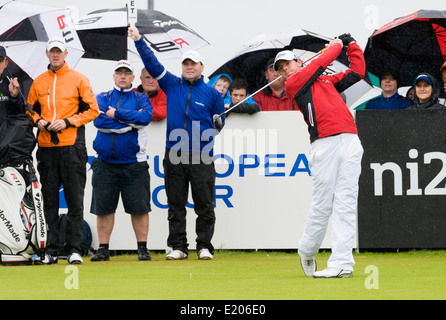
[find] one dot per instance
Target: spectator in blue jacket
(389, 98)
(121, 166)
(191, 105)
(222, 82)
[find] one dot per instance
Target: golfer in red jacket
(335, 153)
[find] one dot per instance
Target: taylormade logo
(9, 226)
(39, 213)
(160, 23)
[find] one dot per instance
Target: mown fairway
(232, 275)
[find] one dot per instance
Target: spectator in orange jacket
(149, 85)
(63, 103)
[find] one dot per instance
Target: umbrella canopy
(249, 63)
(409, 46)
(25, 29)
(103, 34)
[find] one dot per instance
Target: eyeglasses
(120, 73)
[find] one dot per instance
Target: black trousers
(67, 166)
(200, 175)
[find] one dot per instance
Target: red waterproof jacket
(317, 96)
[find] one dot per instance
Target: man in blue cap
(427, 91)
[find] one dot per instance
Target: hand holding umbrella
(14, 86)
(133, 33)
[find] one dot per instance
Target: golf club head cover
(218, 123)
(346, 39)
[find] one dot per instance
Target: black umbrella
(249, 63)
(103, 34)
(409, 46)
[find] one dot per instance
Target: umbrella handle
(21, 94)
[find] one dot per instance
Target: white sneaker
(204, 254)
(75, 258)
(333, 273)
(308, 266)
(176, 255)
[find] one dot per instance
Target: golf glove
(346, 39)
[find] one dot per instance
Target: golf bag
(23, 230)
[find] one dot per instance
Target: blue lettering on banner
(230, 166)
(223, 193)
(243, 165)
(156, 167)
(246, 162)
(269, 165)
(301, 158)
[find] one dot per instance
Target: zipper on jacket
(48, 98)
(54, 97)
(113, 134)
(185, 118)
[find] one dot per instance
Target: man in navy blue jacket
(121, 166)
(389, 98)
(191, 104)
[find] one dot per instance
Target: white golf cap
(56, 42)
(284, 55)
(193, 55)
(123, 64)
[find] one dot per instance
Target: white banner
(263, 187)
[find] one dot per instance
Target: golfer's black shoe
(48, 259)
(101, 255)
(143, 254)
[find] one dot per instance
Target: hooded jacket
(190, 106)
(124, 138)
(433, 101)
(213, 80)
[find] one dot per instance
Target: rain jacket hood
(433, 102)
(213, 80)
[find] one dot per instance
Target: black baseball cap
(2, 52)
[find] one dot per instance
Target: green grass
(232, 275)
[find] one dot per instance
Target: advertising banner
(402, 191)
(263, 188)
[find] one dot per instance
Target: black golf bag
(23, 230)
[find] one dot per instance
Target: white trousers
(335, 164)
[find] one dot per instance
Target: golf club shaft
(251, 95)
(267, 85)
(317, 54)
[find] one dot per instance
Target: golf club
(216, 118)
(251, 95)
